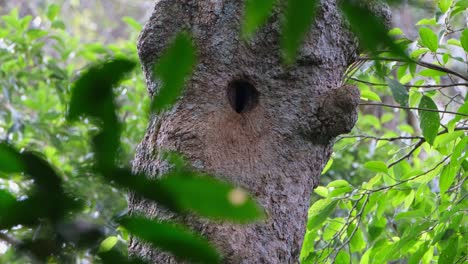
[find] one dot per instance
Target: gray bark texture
(273, 143)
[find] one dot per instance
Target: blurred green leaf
(464, 39)
(400, 93)
(369, 28)
(447, 177)
(319, 212)
(444, 5)
(52, 11)
(416, 257)
(133, 23)
(113, 256)
(357, 242)
(92, 93)
(327, 166)
(299, 15)
(172, 238)
(429, 121)
(210, 197)
(10, 159)
(449, 252)
(256, 14)
(174, 66)
(376, 166)
(108, 243)
(429, 39)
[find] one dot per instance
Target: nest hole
(242, 96)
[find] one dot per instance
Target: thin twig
(420, 63)
(413, 86)
(415, 108)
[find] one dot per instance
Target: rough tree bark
(251, 120)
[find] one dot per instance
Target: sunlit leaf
(172, 238)
(343, 258)
(52, 11)
(133, 23)
(376, 166)
(108, 243)
(429, 39)
(322, 191)
(327, 166)
(256, 14)
(429, 121)
(319, 212)
(357, 242)
(444, 5)
(416, 257)
(464, 39)
(299, 15)
(174, 66)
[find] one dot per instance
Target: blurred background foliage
(44, 46)
(394, 190)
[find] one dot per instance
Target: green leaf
(52, 11)
(369, 95)
(210, 197)
(108, 243)
(464, 39)
(427, 22)
(429, 39)
(462, 4)
(299, 16)
(113, 256)
(400, 93)
(256, 14)
(133, 23)
(369, 28)
(376, 166)
(338, 184)
(174, 66)
(322, 191)
(429, 121)
(449, 252)
(36, 33)
(444, 5)
(10, 159)
(342, 258)
(172, 238)
(184, 190)
(327, 166)
(319, 212)
(416, 257)
(92, 93)
(357, 243)
(447, 176)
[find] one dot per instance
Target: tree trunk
(249, 119)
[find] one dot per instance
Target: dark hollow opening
(242, 96)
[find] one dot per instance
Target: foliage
(407, 203)
(411, 208)
(39, 62)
